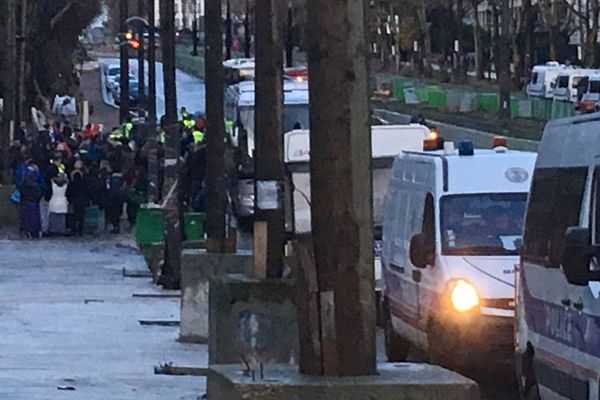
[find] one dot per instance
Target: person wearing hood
(31, 193)
(58, 205)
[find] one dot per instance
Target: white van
(591, 98)
(543, 79)
(558, 282)
(387, 141)
(452, 227)
(295, 115)
(569, 80)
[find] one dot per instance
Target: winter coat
(77, 192)
(58, 202)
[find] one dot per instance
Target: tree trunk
(141, 64)
(529, 22)
(152, 67)
(228, 38)
(269, 124)
(479, 67)
(9, 87)
(172, 271)
(503, 62)
(216, 200)
(289, 38)
(124, 58)
(247, 35)
(425, 42)
(341, 181)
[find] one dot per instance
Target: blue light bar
(465, 148)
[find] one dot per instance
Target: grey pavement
(51, 338)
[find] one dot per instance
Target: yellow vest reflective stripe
(61, 168)
(162, 137)
(198, 136)
(116, 135)
(127, 129)
(189, 123)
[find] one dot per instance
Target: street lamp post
(141, 67)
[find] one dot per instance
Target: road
(191, 92)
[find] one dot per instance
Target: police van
(451, 233)
(558, 281)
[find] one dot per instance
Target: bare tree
(588, 14)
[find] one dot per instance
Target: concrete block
(252, 320)
(393, 381)
(197, 269)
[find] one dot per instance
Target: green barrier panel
(437, 98)
(150, 226)
(398, 88)
(541, 109)
(423, 94)
(562, 109)
(194, 225)
(487, 102)
(514, 108)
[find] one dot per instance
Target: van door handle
(565, 302)
(578, 306)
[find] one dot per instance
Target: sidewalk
(69, 327)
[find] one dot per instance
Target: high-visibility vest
(229, 126)
(162, 137)
(198, 136)
(127, 127)
(116, 135)
(189, 123)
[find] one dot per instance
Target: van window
(563, 81)
(594, 87)
(483, 223)
(577, 80)
(534, 78)
(554, 205)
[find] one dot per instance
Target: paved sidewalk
(68, 320)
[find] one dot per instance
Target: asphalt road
(191, 92)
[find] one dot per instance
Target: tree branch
(56, 19)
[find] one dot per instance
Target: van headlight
(464, 297)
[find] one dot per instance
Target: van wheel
(396, 347)
(528, 387)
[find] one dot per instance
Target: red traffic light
(134, 43)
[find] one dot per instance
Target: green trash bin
(93, 220)
(150, 226)
(398, 89)
(437, 97)
(194, 225)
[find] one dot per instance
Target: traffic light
(129, 39)
(134, 44)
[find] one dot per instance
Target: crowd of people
(62, 175)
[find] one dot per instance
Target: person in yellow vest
(198, 136)
(127, 127)
(116, 135)
(162, 137)
(229, 126)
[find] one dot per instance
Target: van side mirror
(577, 255)
(421, 252)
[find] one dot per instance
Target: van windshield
(594, 87)
(534, 78)
(482, 224)
(295, 116)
